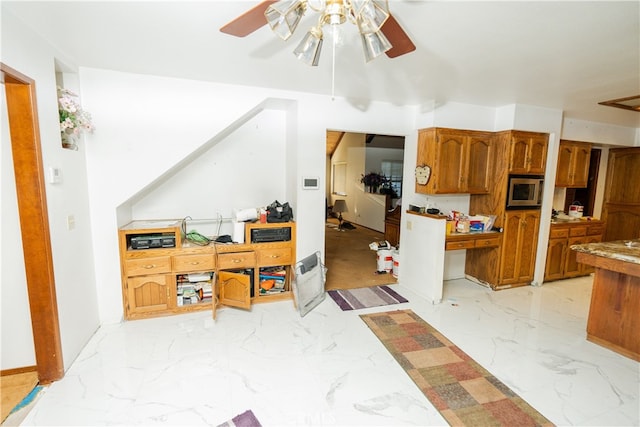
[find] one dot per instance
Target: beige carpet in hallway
(349, 260)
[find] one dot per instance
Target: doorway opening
(586, 196)
(350, 262)
(32, 211)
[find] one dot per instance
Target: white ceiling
(563, 55)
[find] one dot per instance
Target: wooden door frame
(34, 222)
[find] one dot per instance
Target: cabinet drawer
(187, 263)
(595, 229)
(577, 231)
(236, 260)
(460, 244)
(144, 266)
(277, 256)
(558, 233)
(489, 242)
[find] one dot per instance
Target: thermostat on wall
(310, 183)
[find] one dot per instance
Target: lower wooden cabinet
(561, 260)
(171, 276)
(147, 294)
(520, 241)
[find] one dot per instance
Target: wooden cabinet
(147, 294)
(520, 242)
(155, 278)
(573, 164)
(460, 160)
(457, 241)
(528, 152)
(392, 224)
(556, 254)
(561, 260)
(621, 207)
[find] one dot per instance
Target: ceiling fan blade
(400, 41)
(249, 21)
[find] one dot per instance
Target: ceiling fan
(380, 32)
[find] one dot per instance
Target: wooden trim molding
(34, 222)
(16, 371)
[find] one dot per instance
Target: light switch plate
(54, 175)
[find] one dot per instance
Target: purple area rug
(245, 419)
(373, 296)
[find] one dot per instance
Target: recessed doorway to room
(349, 260)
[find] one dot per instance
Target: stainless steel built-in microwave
(524, 192)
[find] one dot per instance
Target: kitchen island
(613, 320)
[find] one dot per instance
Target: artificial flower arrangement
(73, 119)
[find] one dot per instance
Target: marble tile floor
(329, 369)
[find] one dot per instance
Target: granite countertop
(622, 250)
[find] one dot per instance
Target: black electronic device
(263, 235)
(153, 241)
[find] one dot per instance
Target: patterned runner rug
(372, 296)
(464, 392)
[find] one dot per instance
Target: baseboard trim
(15, 371)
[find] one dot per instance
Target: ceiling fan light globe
(374, 45)
(370, 17)
(308, 51)
(358, 6)
(283, 17)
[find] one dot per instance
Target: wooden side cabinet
(573, 164)
(460, 160)
(528, 152)
(561, 261)
(173, 276)
(520, 241)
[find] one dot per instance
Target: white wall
(164, 121)
(245, 170)
(74, 275)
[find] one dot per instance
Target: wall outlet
(409, 225)
(71, 222)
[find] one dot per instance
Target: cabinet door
(585, 268)
(528, 244)
(564, 172)
(234, 289)
(580, 166)
(510, 248)
(450, 163)
(519, 247)
(479, 164)
(537, 156)
(556, 252)
(572, 267)
(518, 162)
(146, 294)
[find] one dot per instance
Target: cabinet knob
(148, 266)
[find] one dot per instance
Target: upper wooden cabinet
(460, 160)
(528, 152)
(573, 164)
